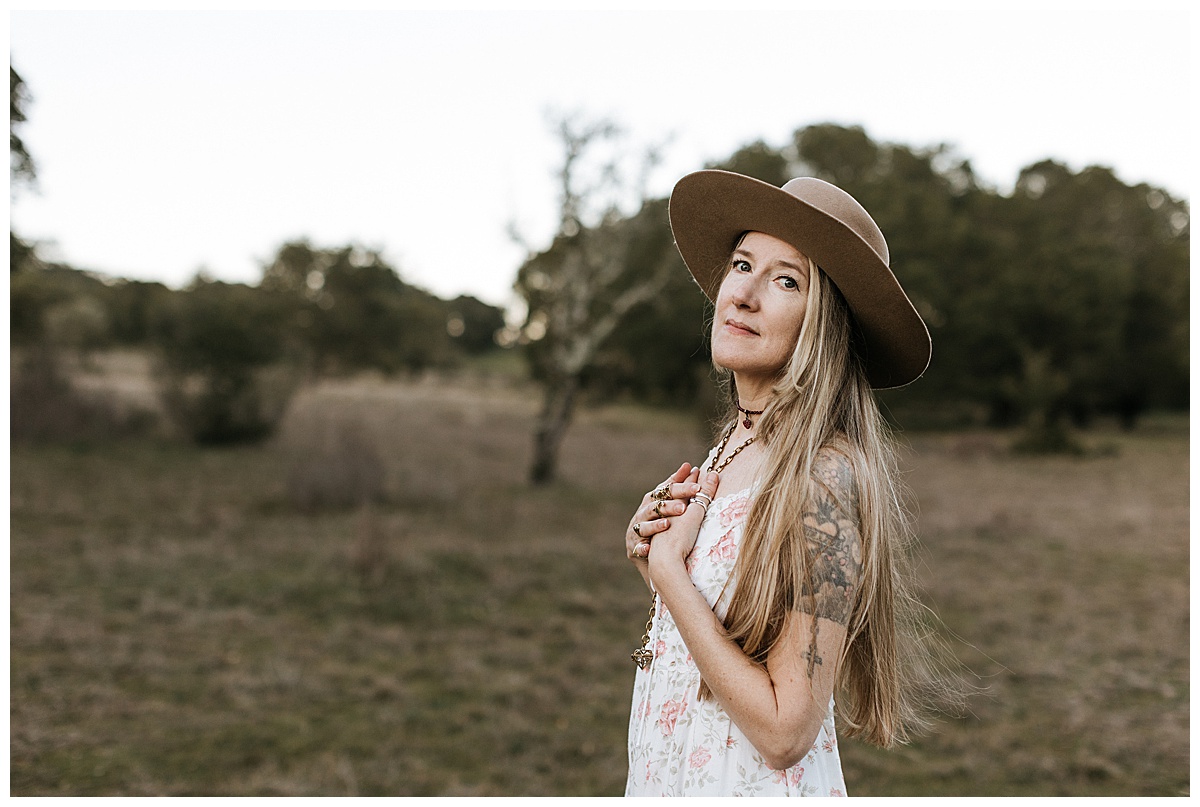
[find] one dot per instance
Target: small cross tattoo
(813, 660)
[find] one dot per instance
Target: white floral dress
(680, 745)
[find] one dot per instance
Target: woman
(779, 566)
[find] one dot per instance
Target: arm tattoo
(811, 654)
(833, 542)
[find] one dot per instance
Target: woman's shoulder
(835, 468)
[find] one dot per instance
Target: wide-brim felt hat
(710, 210)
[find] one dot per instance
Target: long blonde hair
(894, 671)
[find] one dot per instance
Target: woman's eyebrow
(785, 264)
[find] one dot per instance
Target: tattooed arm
(781, 707)
(832, 537)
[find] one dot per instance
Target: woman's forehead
(762, 246)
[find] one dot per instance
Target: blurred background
(343, 345)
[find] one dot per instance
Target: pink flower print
(829, 745)
(671, 710)
(660, 647)
(735, 511)
(699, 758)
(790, 777)
(833, 791)
(723, 549)
(688, 660)
(730, 742)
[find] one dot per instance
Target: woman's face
(760, 308)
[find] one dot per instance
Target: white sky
(167, 141)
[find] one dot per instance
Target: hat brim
(709, 211)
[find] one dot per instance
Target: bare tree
(580, 289)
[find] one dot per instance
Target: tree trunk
(557, 410)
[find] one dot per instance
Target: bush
(223, 375)
(334, 465)
(218, 408)
(47, 407)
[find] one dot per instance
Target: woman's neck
(752, 393)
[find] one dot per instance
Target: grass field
(179, 626)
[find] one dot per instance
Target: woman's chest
(712, 559)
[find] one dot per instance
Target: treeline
(228, 355)
(1064, 300)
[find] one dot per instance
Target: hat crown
(836, 203)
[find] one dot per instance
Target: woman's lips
(733, 326)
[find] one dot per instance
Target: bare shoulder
(834, 471)
(831, 530)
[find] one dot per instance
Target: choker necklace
(747, 412)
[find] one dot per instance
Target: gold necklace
(712, 466)
(644, 655)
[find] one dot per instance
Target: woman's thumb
(709, 484)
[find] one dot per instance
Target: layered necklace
(643, 655)
(712, 466)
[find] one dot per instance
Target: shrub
(334, 465)
(46, 407)
(223, 376)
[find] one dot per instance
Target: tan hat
(711, 209)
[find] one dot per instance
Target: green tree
(21, 165)
(130, 306)
(473, 324)
(222, 375)
(758, 160)
(349, 310)
(22, 170)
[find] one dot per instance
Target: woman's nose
(745, 293)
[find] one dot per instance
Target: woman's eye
(741, 266)
(789, 283)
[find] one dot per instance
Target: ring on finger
(663, 493)
(707, 500)
(637, 529)
(641, 550)
(658, 509)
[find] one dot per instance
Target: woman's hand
(654, 514)
(673, 545)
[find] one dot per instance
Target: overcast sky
(170, 141)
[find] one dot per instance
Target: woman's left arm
(780, 707)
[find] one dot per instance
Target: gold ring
(658, 509)
(637, 529)
(663, 493)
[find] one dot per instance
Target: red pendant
(747, 422)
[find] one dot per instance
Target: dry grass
(178, 627)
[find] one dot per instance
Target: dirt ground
(185, 621)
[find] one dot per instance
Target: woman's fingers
(707, 491)
(669, 499)
(663, 509)
(644, 532)
(682, 484)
